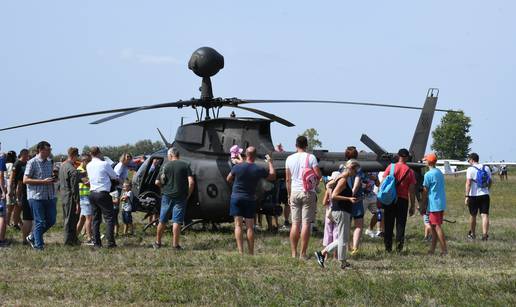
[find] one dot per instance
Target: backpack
(483, 178)
(310, 178)
(387, 191)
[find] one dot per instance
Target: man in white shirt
(477, 196)
(302, 203)
(100, 174)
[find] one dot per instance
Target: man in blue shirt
(435, 196)
(245, 178)
(40, 180)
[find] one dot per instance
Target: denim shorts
(86, 208)
(242, 207)
(358, 210)
(176, 206)
(127, 217)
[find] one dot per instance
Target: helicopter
(205, 144)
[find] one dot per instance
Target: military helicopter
(205, 143)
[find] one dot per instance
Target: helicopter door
(150, 176)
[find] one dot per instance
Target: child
(236, 154)
(330, 227)
(371, 202)
(125, 202)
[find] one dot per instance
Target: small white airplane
(449, 167)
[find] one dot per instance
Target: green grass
(210, 272)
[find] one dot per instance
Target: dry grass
(209, 272)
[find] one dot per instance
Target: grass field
(210, 272)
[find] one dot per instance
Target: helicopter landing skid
(185, 227)
(153, 223)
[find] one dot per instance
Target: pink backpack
(310, 178)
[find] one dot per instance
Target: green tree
(451, 139)
(312, 137)
(142, 147)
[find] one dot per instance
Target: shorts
(371, 203)
(426, 219)
(436, 218)
(26, 210)
(175, 206)
(3, 208)
(127, 217)
(86, 209)
(303, 206)
(242, 207)
(357, 211)
(478, 203)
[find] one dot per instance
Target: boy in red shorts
(435, 195)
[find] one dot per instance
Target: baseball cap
(403, 153)
(431, 157)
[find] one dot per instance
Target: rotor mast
(206, 62)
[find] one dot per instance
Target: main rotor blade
(70, 117)
(178, 104)
(265, 114)
(370, 104)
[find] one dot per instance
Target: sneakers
(485, 237)
(284, 228)
(471, 235)
(370, 233)
(30, 240)
(380, 234)
(4, 243)
(178, 248)
(88, 243)
(345, 265)
(320, 258)
(156, 245)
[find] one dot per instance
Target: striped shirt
(84, 189)
(38, 168)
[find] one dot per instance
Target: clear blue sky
(65, 57)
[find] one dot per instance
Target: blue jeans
(44, 212)
(177, 206)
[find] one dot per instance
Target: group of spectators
(92, 189)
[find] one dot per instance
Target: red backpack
(310, 178)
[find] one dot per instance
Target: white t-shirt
(126, 205)
(296, 164)
(471, 173)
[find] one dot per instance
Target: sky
(65, 57)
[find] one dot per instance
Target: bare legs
(485, 224)
(296, 234)
(438, 234)
(357, 233)
(294, 238)
(239, 234)
(85, 222)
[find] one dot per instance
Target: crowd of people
(91, 190)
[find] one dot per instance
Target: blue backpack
(387, 191)
(483, 178)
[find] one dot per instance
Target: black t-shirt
(19, 170)
(343, 205)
